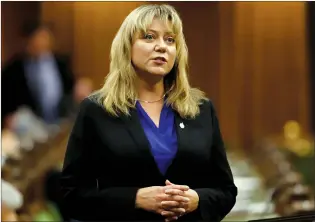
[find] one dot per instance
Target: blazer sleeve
(82, 199)
(216, 202)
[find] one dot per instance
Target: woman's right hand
(151, 198)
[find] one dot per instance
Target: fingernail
(186, 199)
(163, 212)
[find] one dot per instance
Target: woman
(147, 146)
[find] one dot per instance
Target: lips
(161, 59)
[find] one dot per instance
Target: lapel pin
(181, 125)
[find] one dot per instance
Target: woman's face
(154, 52)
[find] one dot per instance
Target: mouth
(160, 59)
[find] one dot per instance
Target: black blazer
(16, 90)
(108, 159)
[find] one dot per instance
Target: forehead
(161, 26)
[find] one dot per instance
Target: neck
(150, 91)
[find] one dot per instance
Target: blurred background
(255, 60)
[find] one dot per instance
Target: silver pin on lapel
(181, 125)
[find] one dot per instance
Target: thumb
(167, 182)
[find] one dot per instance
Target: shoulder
(207, 111)
(206, 106)
(91, 108)
(92, 117)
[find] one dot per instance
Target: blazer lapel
(136, 131)
(182, 140)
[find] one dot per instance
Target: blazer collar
(182, 130)
(136, 131)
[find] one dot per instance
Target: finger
(167, 182)
(169, 204)
(177, 198)
(174, 192)
(168, 214)
(169, 219)
(178, 187)
(177, 210)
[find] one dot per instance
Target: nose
(160, 46)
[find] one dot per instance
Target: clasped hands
(170, 201)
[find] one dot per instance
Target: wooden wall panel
(265, 59)
(14, 15)
(60, 16)
(95, 25)
(230, 84)
(201, 32)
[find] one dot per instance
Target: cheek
(134, 53)
(140, 53)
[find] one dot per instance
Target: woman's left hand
(190, 206)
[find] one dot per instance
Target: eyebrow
(169, 32)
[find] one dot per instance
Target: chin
(158, 72)
(162, 74)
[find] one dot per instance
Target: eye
(170, 39)
(148, 36)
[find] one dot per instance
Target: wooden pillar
(263, 68)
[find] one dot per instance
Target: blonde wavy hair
(119, 94)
